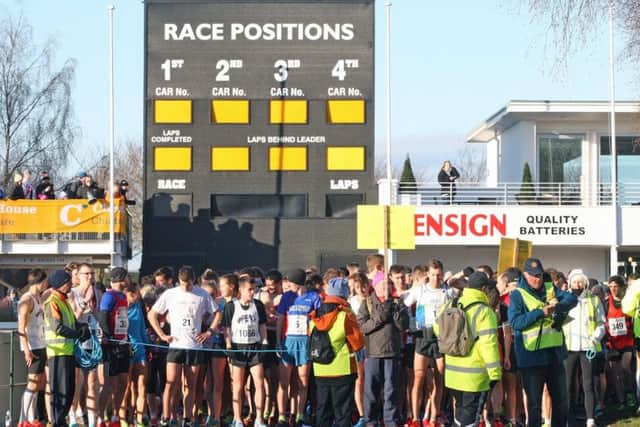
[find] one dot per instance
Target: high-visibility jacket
(631, 305)
(475, 371)
(540, 334)
(335, 317)
(57, 345)
(586, 328)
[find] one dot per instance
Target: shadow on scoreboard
(174, 236)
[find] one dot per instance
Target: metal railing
(12, 384)
(508, 193)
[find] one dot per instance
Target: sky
(454, 63)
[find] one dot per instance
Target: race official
(61, 331)
(471, 377)
(538, 341)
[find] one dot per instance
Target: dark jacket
(44, 190)
(17, 193)
(520, 318)
(382, 324)
(448, 181)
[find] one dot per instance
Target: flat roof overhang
(541, 111)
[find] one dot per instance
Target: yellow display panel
(345, 158)
(172, 111)
(172, 159)
(288, 111)
(230, 111)
(229, 159)
(345, 111)
(288, 158)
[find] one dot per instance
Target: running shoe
(259, 423)
(237, 423)
(425, 423)
(631, 400)
(361, 423)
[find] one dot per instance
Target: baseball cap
(124, 182)
(477, 280)
(82, 174)
(533, 266)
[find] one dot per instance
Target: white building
(567, 212)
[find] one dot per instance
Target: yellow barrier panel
(59, 216)
(513, 253)
(370, 227)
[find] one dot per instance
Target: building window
(560, 158)
(259, 205)
(628, 158)
(343, 205)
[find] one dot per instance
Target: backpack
(455, 337)
(320, 349)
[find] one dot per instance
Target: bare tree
(571, 23)
(36, 120)
(128, 165)
(471, 162)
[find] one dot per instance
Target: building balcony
(50, 233)
(512, 194)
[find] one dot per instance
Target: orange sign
(59, 216)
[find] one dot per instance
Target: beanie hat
(338, 287)
(58, 279)
(578, 274)
(296, 275)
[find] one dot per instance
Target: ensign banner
(59, 216)
(480, 225)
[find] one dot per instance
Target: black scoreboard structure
(259, 132)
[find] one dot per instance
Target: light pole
(112, 254)
(388, 255)
(613, 253)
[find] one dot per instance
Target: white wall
(493, 160)
(594, 261)
(518, 147)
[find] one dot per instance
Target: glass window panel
(560, 158)
(259, 205)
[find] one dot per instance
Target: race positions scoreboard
(259, 131)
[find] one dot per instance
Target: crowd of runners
(353, 345)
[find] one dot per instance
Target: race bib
(121, 322)
(297, 324)
(187, 325)
(617, 326)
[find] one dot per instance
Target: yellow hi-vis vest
(631, 305)
(58, 345)
(341, 364)
(475, 371)
(540, 334)
(592, 302)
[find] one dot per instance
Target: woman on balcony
(447, 180)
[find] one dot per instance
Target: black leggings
(586, 367)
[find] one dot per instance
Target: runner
(429, 294)
(246, 334)
(186, 309)
(33, 345)
(360, 284)
(293, 321)
(228, 289)
(270, 296)
(136, 387)
(85, 301)
(114, 322)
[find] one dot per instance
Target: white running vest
(245, 324)
(35, 326)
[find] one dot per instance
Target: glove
(83, 331)
(492, 384)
